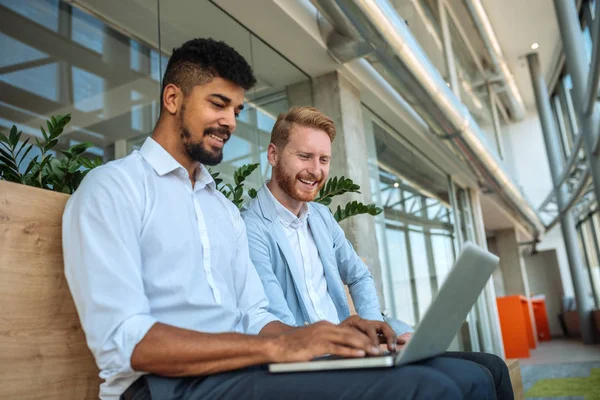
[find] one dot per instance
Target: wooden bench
(43, 354)
(515, 377)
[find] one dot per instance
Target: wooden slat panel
(43, 354)
(514, 370)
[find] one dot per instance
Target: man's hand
(403, 339)
(378, 332)
(306, 343)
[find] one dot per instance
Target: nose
(229, 121)
(314, 168)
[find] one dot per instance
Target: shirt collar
(163, 163)
(287, 218)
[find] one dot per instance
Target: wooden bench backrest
(43, 354)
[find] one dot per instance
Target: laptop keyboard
(331, 357)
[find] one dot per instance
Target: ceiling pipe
(400, 60)
(482, 23)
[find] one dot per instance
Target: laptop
(438, 326)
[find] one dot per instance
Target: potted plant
(40, 329)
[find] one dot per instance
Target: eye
(218, 105)
(325, 160)
(304, 156)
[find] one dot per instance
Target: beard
(287, 183)
(197, 150)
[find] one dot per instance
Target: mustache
(220, 131)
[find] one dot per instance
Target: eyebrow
(226, 99)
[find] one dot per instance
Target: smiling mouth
(219, 139)
(307, 182)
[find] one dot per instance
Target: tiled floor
(558, 351)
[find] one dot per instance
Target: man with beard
(157, 262)
(302, 255)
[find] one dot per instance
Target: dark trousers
(495, 365)
(451, 376)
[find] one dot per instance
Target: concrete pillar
(338, 98)
(513, 267)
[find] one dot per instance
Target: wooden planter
(43, 353)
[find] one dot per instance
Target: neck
(293, 205)
(164, 135)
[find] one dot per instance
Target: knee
(496, 366)
(483, 382)
(441, 388)
(427, 383)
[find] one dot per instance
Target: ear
(171, 98)
(273, 154)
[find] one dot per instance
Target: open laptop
(438, 326)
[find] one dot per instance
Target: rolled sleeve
(101, 226)
(355, 274)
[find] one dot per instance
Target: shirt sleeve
(354, 273)
(101, 227)
(252, 299)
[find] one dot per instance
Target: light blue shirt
(142, 246)
(313, 285)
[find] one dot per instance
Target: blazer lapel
(335, 286)
(269, 212)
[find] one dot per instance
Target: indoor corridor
(563, 368)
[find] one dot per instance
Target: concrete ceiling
(517, 25)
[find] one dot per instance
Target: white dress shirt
(142, 246)
(313, 289)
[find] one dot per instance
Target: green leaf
(80, 148)
(7, 155)
(13, 139)
(9, 162)
(25, 154)
(335, 187)
(32, 164)
(252, 193)
(4, 138)
(46, 135)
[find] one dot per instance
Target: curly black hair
(198, 61)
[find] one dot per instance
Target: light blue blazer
(272, 255)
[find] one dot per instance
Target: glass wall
(102, 62)
(475, 87)
(589, 231)
(425, 222)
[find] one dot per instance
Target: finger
(351, 337)
(404, 338)
(371, 331)
(390, 336)
(344, 351)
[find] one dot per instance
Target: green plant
(236, 193)
(333, 187)
(45, 170)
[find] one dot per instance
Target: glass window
(42, 12)
(417, 226)
(100, 62)
(565, 142)
(87, 31)
(590, 249)
(587, 41)
(570, 109)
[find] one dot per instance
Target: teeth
(307, 182)
(216, 137)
